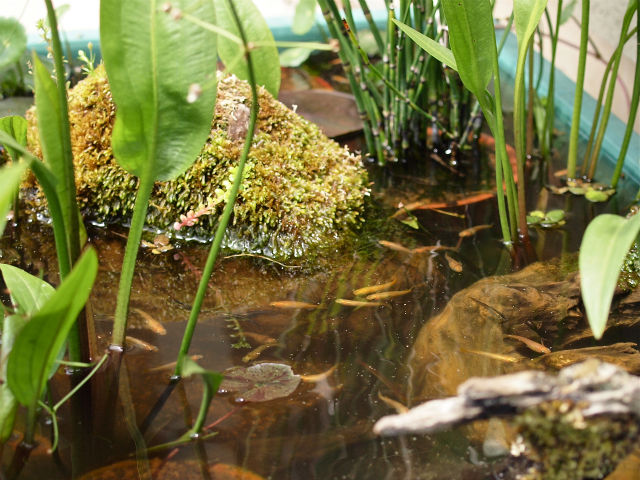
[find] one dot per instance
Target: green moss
(566, 446)
(301, 191)
(630, 273)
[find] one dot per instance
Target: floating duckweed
(301, 191)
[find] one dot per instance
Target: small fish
(150, 323)
(170, 365)
(375, 288)
(495, 356)
(259, 337)
(396, 405)
(431, 248)
(133, 341)
(385, 295)
(256, 352)
(454, 265)
(293, 304)
(357, 303)
(394, 246)
(468, 232)
(535, 346)
(318, 377)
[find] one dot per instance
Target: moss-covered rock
(301, 191)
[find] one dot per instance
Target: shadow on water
(322, 430)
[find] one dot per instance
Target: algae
(301, 192)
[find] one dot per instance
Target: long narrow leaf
(28, 293)
(472, 41)
(152, 59)
(527, 15)
(433, 48)
(604, 246)
(11, 326)
(36, 347)
(265, 56)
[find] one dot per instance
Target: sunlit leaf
(28, 293)
(526, 16)
(261, 382)
(13, 41)
(37, 345)
(152, 59)
(264, 55)
(604, 246)
(10, 178)
(304, 17)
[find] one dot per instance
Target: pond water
(356, 362)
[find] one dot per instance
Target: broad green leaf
(152, 59)
(51, 132)
(261, 382)
(28, 293)
(211, 379)
(294, 57)
(304, 17)
(10, 178)
(37, 345)
(472, 38)
(11, 326)
(526, 15)
(604, 246)
(433, 48)
(13, 41)
(15, 126)
(264, 55)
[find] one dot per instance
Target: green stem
(228, 208)
(550, 107)
(520, 131)
(129, 261)
(577, 99)
(633, 110)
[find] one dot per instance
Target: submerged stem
(228, 209)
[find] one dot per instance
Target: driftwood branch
(598, 388)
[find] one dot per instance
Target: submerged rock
(301, 191)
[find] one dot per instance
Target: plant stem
(228, 208)
(633, 110)
(129, 261)
(550, 107)
(577, 99)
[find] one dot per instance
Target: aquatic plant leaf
(261, 382)
(11, 326)
(152, 60)
(567, 11)
(28, 293)
(604, 246)
(41, 339)
(264, 55)
(526, 16)
(16, 126)
(13, 41)
(304, 17)
(472, 40)
(10, 177)
(596, 195)
(433, 48)
(294, 57)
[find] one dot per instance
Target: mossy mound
(301, 191)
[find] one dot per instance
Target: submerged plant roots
(301, 192)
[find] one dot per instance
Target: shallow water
(323, 429)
